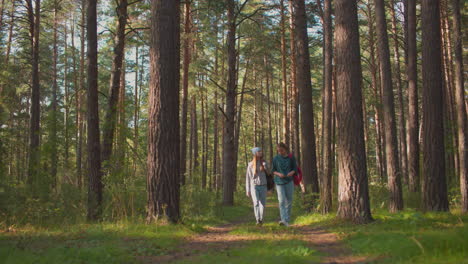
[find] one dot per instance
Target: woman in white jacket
(256, 183)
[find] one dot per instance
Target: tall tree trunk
(460, 106)
(215, 163)
(136, 100)
(449, 100)
(203, 128)
(186, 66)
(391, 144)
(66, 102)
(295, 90)
(375, 83)
(229, 166)
(164, 127)
(284, 84)
(94, 147)
(268, 88)
(353, 193)
(327, 159)
(193, 136)
(401, 110)
(34, 125)
(434, 182)
(80, 112)
(303, 80)
(53, 134)
(117, 62)
(77, 96)
(121, 122)
(413, 109)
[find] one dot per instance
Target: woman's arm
(275, 170)
(294, 167)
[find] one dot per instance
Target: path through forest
(220, 241)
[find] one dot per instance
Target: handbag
(270, 181)
(297, 178)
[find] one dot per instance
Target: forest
(127, 128)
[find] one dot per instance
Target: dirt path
(219, 239)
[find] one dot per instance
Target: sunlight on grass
(89, 243)
(405, 237)
(262, 251)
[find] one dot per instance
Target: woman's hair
(254, 163)
(283, 146)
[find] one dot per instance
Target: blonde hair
(254, 164)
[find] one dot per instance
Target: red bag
(297, 178)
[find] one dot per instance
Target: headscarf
(255, 150)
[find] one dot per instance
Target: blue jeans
(259, 200)
(285, 198)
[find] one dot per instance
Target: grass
(262, 251)
(89, 243)
(406, 237)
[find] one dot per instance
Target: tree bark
(94, 147)
(460, 105)
(353, 194)
(77, 97)
(186, 67)
(284, 84)
(53, 134)
(110, 119)
(327, 159)
(303, 80)
(163, 125)
(413, 109)
(193, 136)
(391, 144)
(34, 125)
(229, 166)
(434, 182)
(295, 139)
(80, 112)
(401, 109)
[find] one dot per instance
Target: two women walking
(283, 170)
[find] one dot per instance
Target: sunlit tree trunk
(460, 105)
(110, 119)
(34, 123)
(413, 109)
(353, 194)
(391, 143)
(303, 80)
(185, 80)
(163, 162)
(434, 182)
(94, 147)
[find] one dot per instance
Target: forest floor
(240, 241)
(229, 235)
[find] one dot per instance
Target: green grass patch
(262, 251)
(405, 237)
(89, 243)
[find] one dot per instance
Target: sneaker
(259, 223)
(281, 223)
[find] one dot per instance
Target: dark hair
(283, 146)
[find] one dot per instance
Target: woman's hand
(279, 174)
(248, 194)
(291, 173)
